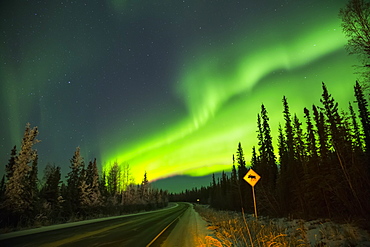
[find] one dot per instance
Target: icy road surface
(190, 231)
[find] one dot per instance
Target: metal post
(254, 200)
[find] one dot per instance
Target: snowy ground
(190, 231)
(231, 229)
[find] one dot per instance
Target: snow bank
(325, 232)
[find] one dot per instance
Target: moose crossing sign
(252, 177)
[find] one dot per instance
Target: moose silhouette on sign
(252, 177)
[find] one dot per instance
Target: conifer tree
(244, 191)
(74, 181)
(314, 194)
(92, 180)
(235, 192)
(268, 159)
(322, 135)
(288, 132)
(254, 159)
(338, 132)
(310, 137)
(291, 168)
(364, 115)
(113, 180)
(356, 135)
(282, 184)
(103, 186)
(2, 189)
(145, 189)
(339, 136)
(50, 192)
(299, 143)
(301, 166)
(32, 187)
(9, 169)
(267, 167)
(17, 197)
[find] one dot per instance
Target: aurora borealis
(170, 87)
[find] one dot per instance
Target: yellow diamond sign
(252, 177)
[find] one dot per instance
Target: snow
(190, 231)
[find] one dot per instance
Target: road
(145, 229)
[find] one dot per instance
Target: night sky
(170, 87)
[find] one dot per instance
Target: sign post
(252, 178)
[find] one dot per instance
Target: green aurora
(224, 86)
(168, 87)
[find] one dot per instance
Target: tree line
(321, 167)
(27, 201)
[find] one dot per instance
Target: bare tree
(356, 26)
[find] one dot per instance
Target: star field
(170, 87)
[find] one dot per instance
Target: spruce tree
(17, 197)
(9, 169)
(288, 132)
(50, 192)
(145, 190)
(356, 133)
(267, 167)
(282, 183)
(244, 190)
(103, 186)
(32, 187)
(268, 155)
(74, 181)
(235, 192)
(113, 180)
(310, 137)
(364, 115)
(343, 163)
(322, 134)
(2, 189)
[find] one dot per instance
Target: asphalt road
(147, 229)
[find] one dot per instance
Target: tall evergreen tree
(364, 115)
(235, 192)
(341, 141)
(17, 197)
(145, 190)
(50, 191)
(2, 189)
(9, 169)
(103, 186)
(356, 135)
(74, 181)
(316, 199)
(267, 167)
(301, 165)
(32, 187)
(244, 191)
(282, 183)
(288, 132)
(310, 137)
(113, 180)
(338, 132)
(322, 135)
(92, 180)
